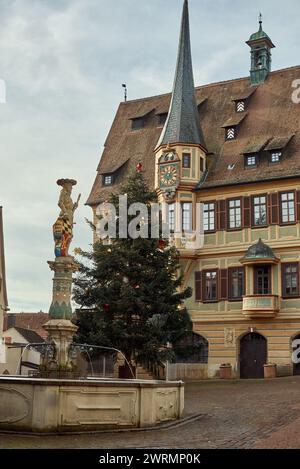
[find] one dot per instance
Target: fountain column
(60, 328)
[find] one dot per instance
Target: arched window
(191, 349)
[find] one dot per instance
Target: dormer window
(275, 156)
(251, 161)
(232, 125)
(230, 133)
(240, 106)
(137, 124)
(162, 118)
(139, 121)
(108, 180)
(276, 148)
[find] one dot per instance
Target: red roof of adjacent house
(30, 321)
(270, 113)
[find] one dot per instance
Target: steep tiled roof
(28, 321)
(278, 143)
(235, 120)
(270, 113)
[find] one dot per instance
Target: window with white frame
(251, 161)
(235, 213)
(211, 286)
(209, 216)
(275, 156)
(171, 217)
(186, 209)
(290, 279)
(288, 207)
(260, 210)
(108, 180)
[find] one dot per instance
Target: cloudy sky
(63, 62)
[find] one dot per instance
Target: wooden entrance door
(253, 355)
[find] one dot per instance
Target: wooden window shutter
(298, 205)
(223, 284)
(244, 280)
(222, 214)
(247, 212)
(273, 205)
(198, 286)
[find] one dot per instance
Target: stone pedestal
(60, 328)
(61, 333)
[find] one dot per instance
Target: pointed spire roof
(260, 34)
(182, 125)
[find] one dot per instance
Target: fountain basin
(52, 405)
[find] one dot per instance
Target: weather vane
(125, 91)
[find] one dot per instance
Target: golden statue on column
(63, 227)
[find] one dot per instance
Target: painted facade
(234, 148)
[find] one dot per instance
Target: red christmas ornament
(139, 167)
(106, 308)
(161, 244)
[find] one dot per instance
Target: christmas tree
(129, 290)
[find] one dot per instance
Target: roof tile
(270, 112)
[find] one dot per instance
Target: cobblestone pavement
(235, 414)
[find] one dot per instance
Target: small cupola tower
(180, 152)
(261, 57)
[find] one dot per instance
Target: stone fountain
(55, 401)
(60, 329)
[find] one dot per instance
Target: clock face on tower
(168, 175)
(168, 167)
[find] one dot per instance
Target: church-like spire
(182, 125)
